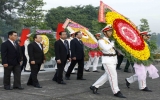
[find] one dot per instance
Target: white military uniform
(26, 43)
(134, 78)
(109, 63)
(68, 62)
(93, 60)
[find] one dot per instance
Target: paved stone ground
(79, 90)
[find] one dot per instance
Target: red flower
(128, 34)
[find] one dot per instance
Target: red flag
(101, 15)
(24, 34)
(59, 29)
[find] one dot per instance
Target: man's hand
(58, 61)
(33, 62)
(21, 62)
(74, 58)
(69, 59)
(5, 65)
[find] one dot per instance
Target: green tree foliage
(4, 28)
(144, 26)
(32, 13)
(84, 15)
(153, 42)
(8, 10)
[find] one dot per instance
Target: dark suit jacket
(77, 49)
(10, 55)
(60, 51)
(35, 53)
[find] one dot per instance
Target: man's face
(108, 33)
(145, 37)
(79, 35)
(38, 39)
(97, 37)
(13, 37)
(63, 35)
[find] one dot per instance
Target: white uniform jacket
(107, 48)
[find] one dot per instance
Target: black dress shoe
(67, 78)
(96, 71)
(27, 71)
(54, 79)
(119, 94)
(42, 70)
(127, 71)
(146, 89)
(76, 69)
(94, 89)
(37, 86)
(29, 84)
(62, 82)
(102, 68)
(118, 68)
(19, 88)
(81, 79)
(87, 70)
(8, 88)
(127, 83)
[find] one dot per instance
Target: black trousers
(80, 68)
(17, 76)
(127, 65)
(120, 59)
(33, 76)
(58, 76)
(23, 66)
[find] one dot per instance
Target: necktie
(65, 44)
(40, 46)
(15, 45)
(80, 41)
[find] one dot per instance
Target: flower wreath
(128, 39)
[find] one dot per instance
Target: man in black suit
(11, 59)
(77, 55)
(61, 56)
(36, 58)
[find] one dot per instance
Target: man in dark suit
(77, 55)
(61, 56)
(11, 59)
(36, 58)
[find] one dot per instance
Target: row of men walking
(72, 51)
(12, 59)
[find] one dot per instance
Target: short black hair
(76, 33)
(35, 36)
(11, 33)
(60, 33)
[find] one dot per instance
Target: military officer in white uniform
(109, 61)
(93, 57)
(26, 43)
(143, 70)
(69, 62)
